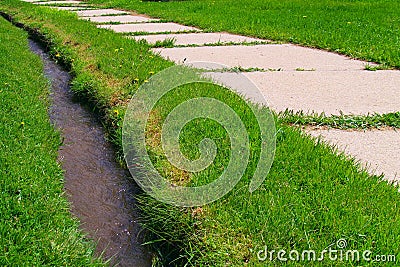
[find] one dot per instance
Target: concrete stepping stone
(378, 150)
(331, 92)
(119, 19)
(58, 2)
(100, 12)
(148, 27)
(275, 56)
(70, 8)
(198, 38)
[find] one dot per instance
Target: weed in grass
(119, 23)
(110, 23)
(302, 69)
(376, 67)
(225, 44)
(168, 42)
(240, 43)
(239, 69)
(138, 33)
(341, 121)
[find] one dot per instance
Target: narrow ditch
(100, 192)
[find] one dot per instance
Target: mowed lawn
(311, 198)
(363, 29)
(36, 228)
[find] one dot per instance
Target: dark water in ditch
(98, 189)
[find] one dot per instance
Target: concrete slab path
(378, 150)
(351, 92)
(148, 27)
(274, 56)
(120, 19)
(198, 38)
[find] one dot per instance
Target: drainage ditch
(100, 192)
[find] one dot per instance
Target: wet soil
(100, 192)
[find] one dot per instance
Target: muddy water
(99, 191)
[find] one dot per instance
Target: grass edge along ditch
(312, 197)
(36, 226)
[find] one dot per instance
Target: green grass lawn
(36, 228)
(363, 29)
(311, 198)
